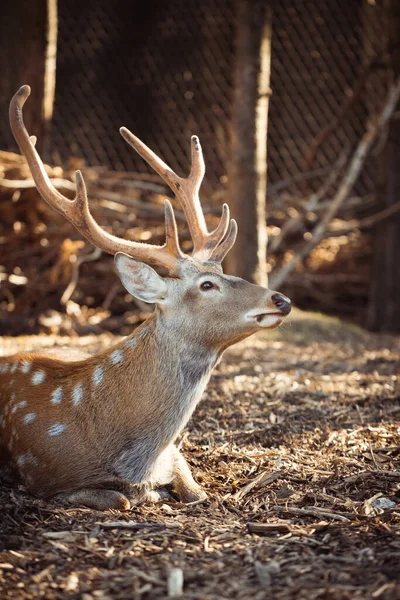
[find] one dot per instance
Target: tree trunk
(34, 31)
(248, 168)
(33, 15)
(384, 304)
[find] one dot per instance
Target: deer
(100, 431)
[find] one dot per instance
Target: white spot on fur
(98, 375)
(29, 418)
(131, 342)
(143, 331)
(38, 377)
(4, 367)
(21, 404)
(26, 366)
(77, 394)
(56, 429)
(14, 367)
(27, 458)
(57, 396)
(117, 357)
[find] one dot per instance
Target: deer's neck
(157, 385)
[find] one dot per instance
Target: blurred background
(296, 106)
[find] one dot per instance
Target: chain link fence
(165, 69)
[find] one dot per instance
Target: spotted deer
(100, 431)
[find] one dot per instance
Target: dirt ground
(297, 442)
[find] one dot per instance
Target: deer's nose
(282, 303)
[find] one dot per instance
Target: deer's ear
(140, 280)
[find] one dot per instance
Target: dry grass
(296, 442)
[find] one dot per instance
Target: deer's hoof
(188, 496)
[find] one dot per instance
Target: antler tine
(77, 210)
(27, 146)
(187, 192)
(223, 248)
(171, 230)
(151, 158)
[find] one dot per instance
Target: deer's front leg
(183, 483)
(171, 469)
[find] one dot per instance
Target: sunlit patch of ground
(297, 442)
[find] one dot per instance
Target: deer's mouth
(268, 320)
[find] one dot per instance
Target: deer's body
(100, 431)
(74, 437)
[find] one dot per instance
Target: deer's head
(193, 295)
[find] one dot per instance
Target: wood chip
(175, 582)
(268, 528)
(72, 582)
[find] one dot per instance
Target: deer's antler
(77, 210)
(206, 246)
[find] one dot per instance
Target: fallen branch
(313, 512)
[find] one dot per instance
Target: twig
(368, 222)
(111, 295)
(298, 178)
(313, 512)
(346, 186)
(146, 207)
(156, 211)
(135, 525)
(20, 184)
(373, 457)
(94, 255)
(157, 188)
(262, 480)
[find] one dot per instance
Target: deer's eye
(207, 285)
